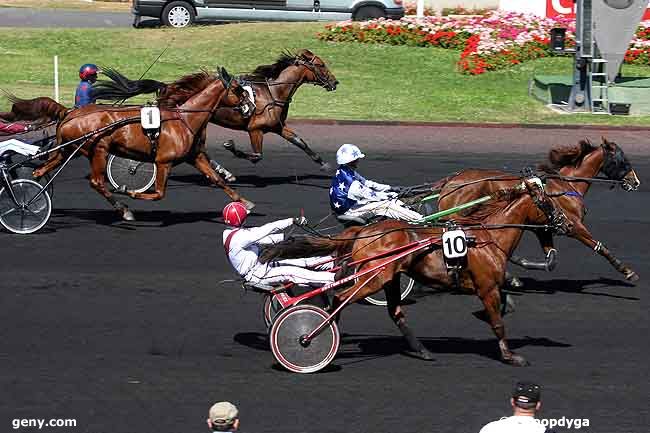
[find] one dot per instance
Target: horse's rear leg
(257, 138)
(202, 163)
(162, 175)
(53, 162)
(98, 182)
(417, 349)
(293, 138)
(492, 302)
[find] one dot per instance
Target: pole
(419, 11)
(56, 78)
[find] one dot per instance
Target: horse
(273, 86)
(495, 229)
(178, 140)
(583, 160)
(38, 110)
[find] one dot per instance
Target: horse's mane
(563, 156)
(272, 71)
(178, 92)
(501, 200)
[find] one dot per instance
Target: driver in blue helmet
(353, 195)
(83, 95)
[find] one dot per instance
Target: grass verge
(100, 6)
(377, 82)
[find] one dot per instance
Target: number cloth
(244, 250)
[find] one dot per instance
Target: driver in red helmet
(242, 247)
(83, 95)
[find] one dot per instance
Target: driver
(242, 247)
(83, 95)
(353, 195)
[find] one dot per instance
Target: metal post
(56, 78)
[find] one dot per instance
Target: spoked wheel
(136, 176)
(287, 339)
(270, 308)
(25, 172)
(406, 285)
(24, 217)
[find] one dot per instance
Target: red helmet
(234, 214)
(87, 70)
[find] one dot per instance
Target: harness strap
(226, 244)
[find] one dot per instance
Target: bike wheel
(22, 218)
(270, 308)
(285, 336)
(25, 172)
(406, 285)
(137, 176)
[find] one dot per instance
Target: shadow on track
(573, 286)
(254, 181)
(82, 217)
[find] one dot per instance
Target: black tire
(368, 13)
(136, 21)
(178, 14)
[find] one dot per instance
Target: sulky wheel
(406, 285)
(29, 214)
(135, 175)
(287, 332)
(270, 308)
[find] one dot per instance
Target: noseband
(309, 64)
(616, 166)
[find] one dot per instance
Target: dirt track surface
(124, 327)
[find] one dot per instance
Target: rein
(583, 179)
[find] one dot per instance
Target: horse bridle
(556, 217)
(616, 166)
(315, 69)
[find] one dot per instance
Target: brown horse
(483, 273)
(583, 160)
(38, 110)
(178, 141)
(274, 86)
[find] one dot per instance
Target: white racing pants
(292, 270)
(393, 208)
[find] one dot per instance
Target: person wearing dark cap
(525, 402)
(223, 417)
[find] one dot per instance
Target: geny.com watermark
(575, 423)
(41, 423)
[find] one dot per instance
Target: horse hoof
(230, 144)
(517, 361)
(515, 283)
(231, 178)
(508, 305)
(325, 166)
(127, 215)
(423, 354)
(247, 203)
(632, 276)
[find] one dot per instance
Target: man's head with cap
(223, 416)
(526, 396)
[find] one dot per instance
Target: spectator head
(526, 398)
(223, 416)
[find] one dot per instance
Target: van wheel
(368, 13)
(178, 14)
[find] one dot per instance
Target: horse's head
(616, 166)
(317, 71)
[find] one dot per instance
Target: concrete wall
(468, 4)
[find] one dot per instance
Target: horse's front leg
(492, 302)
(202, 164)
(393, 297)
(162, 174)
(53, 162)
(293, 138)
(98, 181)
(581, 233)
(257, 139)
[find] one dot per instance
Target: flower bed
(494, 41)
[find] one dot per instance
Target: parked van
(182, 13)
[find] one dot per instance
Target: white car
(182, 13)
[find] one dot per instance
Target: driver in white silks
(242, 247)
(353, 195)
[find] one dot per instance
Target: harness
(226, 244)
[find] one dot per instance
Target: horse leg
(545, 238)
(202, 163)
(53, 162)
(98, 182)
(162, 174)
(417, 349)
(293, 138)
(492, 303)
(581, 233)
(257, 139)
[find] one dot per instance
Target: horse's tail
(304, 246)
(120, 87)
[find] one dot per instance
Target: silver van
(182, 13)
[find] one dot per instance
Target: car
(182, 13)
